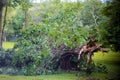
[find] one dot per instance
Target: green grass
(8, 45)
(110, 59)
(65, 76)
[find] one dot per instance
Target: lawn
(63, 76)
(8, 45)
(110, 59)
(41, 77)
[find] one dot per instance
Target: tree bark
(1, 8)
(26, 18)
(4, 23)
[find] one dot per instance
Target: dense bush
(6, 58)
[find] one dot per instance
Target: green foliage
(12, 3)
(89, 11)
(89, 14)
(101, 68)
(37, 42)
(60, 23)
(109, 29)
(67, 29)
(25, 4)
(14, 25)
(30, 49)
(6, 58)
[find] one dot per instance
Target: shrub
(6, 57)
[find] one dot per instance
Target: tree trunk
(1, 8)
(4, 23)
(26, 18)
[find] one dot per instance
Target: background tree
(25, 6)
(90, 15)
(14, 23)
(110, 27)
(4, 3)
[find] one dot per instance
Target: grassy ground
(8, 45)
(64, 76)
(41, 77)
(111, 60)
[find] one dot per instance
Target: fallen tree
(76, 58)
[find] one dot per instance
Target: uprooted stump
(75, 59)
(67, 61)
